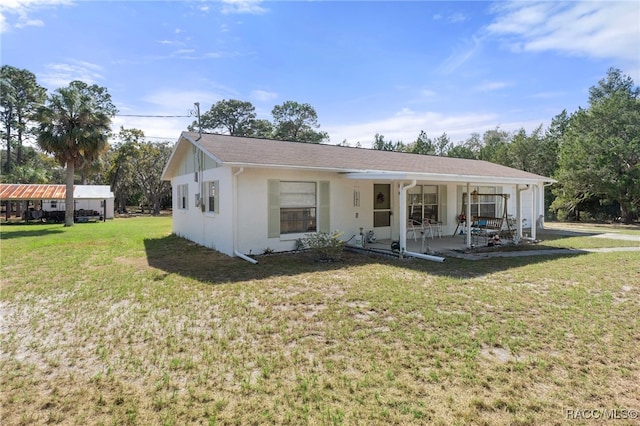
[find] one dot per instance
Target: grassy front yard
(123, 323)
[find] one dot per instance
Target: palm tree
(74, 127)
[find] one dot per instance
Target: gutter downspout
(425, 256)
(403, 215)
(235, 221)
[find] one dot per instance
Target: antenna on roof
(197, 105)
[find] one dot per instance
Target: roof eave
(392, 175)
(288, 167)
(440, 177)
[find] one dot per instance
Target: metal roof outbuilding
(53, 192)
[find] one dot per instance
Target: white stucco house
(242, 196)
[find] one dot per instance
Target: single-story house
(242, 196)
(51, 198)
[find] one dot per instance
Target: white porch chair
(435, 228)
(414, 227)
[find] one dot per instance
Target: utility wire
(153, 116)
(161, 137)
(192, 113)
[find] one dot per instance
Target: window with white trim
(298, 207)
(484, 203)
(423, 203)
(212, 197)
(183, 196)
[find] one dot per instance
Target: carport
(39, 200)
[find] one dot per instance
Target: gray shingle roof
(253, 152)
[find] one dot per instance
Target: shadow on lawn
(176, 255)
(27, 231)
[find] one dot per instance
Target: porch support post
(534, 209)
(519, 208)
(467, 223)
(403, 214)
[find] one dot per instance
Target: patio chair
(414, 227)
(435, 229)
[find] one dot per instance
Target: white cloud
(182, 52)
(456, 18)
(490, 86)
(470, 49)
(61, 74)
(16, 13)
(428, 93)
(179, 102)
(242, 6)
(30, 23)
(156, 128)
(263, 95)
(215, 55)
(594, 29)
(406, 125)
(170, 42)
(548, 95)
(190, 54)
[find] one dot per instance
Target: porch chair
(414, 227)
(435, 228)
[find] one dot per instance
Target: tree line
(292, 121)
(594, 153)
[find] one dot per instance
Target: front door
(382, 211)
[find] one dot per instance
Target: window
(430, 193)
(212, 197)
(183, 197)
(485, 204)
(423, 203)
(54, 204)
(297, 207)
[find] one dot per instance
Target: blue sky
(367, 67)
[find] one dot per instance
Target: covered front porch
(444, 245)
(495, 206)
(425, 245)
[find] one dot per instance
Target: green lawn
(123, 323)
